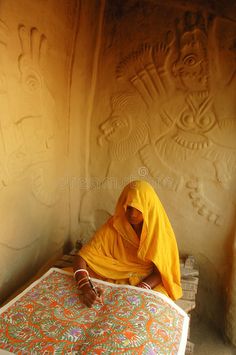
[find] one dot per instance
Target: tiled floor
(207, 340)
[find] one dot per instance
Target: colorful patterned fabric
(49, 318)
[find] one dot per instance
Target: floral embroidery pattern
(50, 319)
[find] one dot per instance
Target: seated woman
(136, 246)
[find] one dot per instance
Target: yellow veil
(157, 243)
(116, 252)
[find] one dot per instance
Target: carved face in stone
(116, 127)
(191, 68)
(125, 130)
(195, 114)
(195, 119)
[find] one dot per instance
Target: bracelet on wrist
(83, 284)
(82, 271)
(144, 285)
(82, 280)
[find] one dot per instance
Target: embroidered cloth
(49, 318)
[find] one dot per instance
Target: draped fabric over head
(115, 252)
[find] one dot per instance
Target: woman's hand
(91, 296)
(152, 280)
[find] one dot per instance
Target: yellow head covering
(116, 253)
(157, 243)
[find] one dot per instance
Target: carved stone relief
(168, 119)
(29, 126)
(124, 130)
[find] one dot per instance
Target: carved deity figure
(172, 83)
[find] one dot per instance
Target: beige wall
(36, 42)
(48, 54)
(97, 93)
(164, 111)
